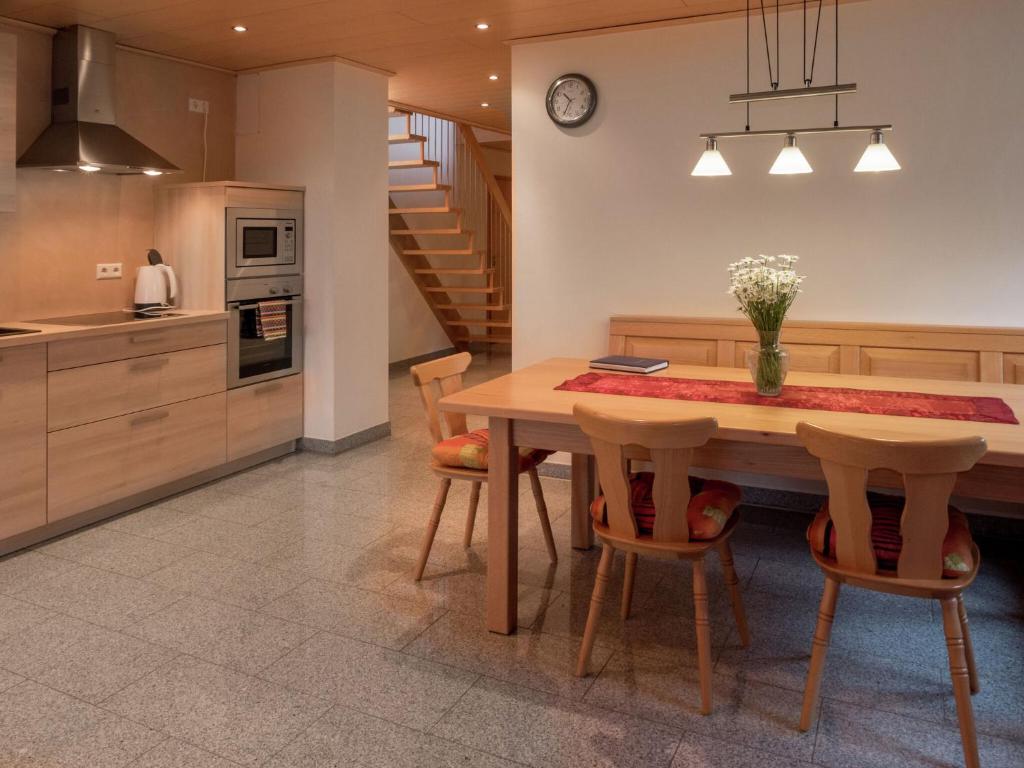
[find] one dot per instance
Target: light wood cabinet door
(263, 415)
(93, 350)
(96, 392)
(22, 439)
(8, 122)
(106, 461)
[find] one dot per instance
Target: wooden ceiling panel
(441, 62)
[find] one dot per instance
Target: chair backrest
(670, 444)
(438, 378)
(928, 469)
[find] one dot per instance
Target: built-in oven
(264, 329)
(263, 242)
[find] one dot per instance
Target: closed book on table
(629, 364)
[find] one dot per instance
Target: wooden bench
(953, 353)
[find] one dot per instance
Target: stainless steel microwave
(263, 242)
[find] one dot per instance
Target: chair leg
(972, 670)
(474, 502)
(735, 596)
(542, 512)
(594, 617)
(700, 610)
(435, 519)
(627, 584)
(961, 680)
(819, 648)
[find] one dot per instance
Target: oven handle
(254, 306)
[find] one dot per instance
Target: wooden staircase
(459, 259)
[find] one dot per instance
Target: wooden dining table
(524, 408)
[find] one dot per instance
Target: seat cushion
(711, 505)
(957, 547)
(470, 450)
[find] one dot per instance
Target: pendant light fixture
(791, 160)
(877, 157)
(711, 163)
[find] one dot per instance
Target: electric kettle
(156, 286)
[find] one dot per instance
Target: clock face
(571, 100)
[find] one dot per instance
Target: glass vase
(768, 363)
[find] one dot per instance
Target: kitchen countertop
(48, 333)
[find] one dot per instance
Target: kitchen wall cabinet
(23, 443)
(264, 415)
(8, 119)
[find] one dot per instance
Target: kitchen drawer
(135, 343)
(95, 392)
(264, 415)
(105, 461)
(22, 439)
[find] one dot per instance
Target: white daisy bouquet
(766, 288)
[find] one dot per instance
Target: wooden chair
(435, 379)
(929, 471)
(670, 445)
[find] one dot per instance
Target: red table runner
(885, 403)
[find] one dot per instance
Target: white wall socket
(198, 105)
(108, 271)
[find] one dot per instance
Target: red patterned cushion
(711, 504)
(470, 451)
(957, 547)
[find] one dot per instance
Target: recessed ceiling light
(240, 28)
(89, 168)
(485, 105)
(151, 172)
(483, 25)
(492, 77)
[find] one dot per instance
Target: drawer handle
(268, 388)
(146, 339)
(151, 418)
(150, 365)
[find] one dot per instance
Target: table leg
(502, 529)
(584, 485)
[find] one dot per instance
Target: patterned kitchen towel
(272, 320)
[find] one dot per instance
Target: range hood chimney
(83, 135)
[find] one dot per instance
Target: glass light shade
(876, 157)
(711, 163)
(790, 160)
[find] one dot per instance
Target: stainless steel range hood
(84, 134)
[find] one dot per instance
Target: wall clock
(571, 100)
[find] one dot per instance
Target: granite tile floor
(270, 619)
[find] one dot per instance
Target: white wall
(412, 328)
(324, 126)
(608, 219)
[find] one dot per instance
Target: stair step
(474, 307)
(441, 252)
(462, 289)
(449, 231)
(406, 138)
(480, 323)
(455, 271)
(410, 211)
(485, 339)
(413, 164)
(431, 187)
